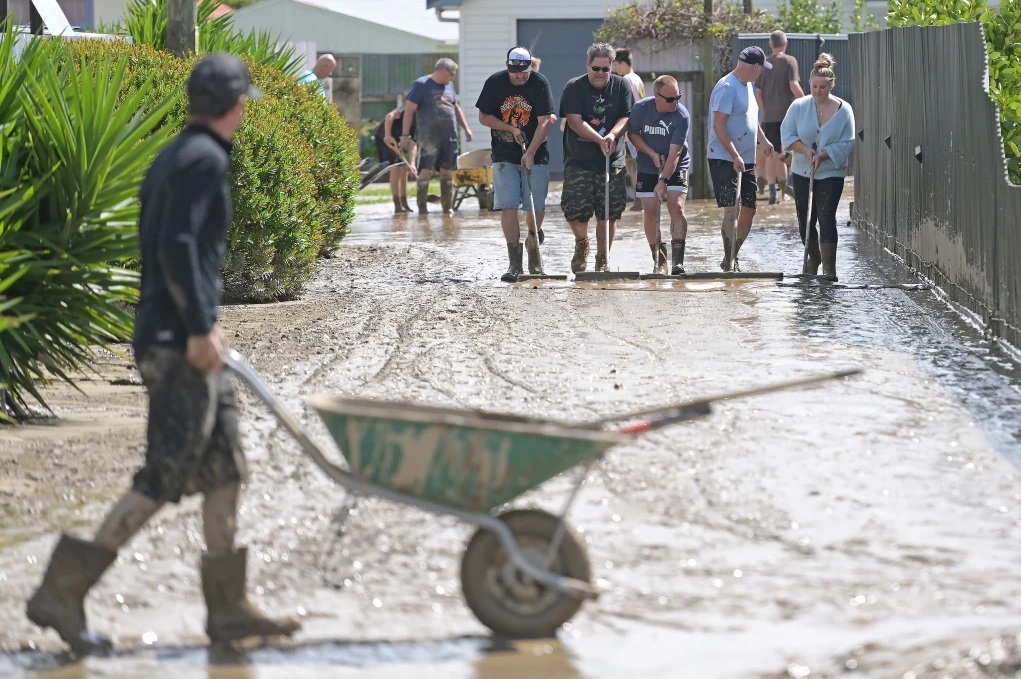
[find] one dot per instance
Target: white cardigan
(836, 137)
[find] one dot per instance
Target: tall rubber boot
(658, 258)
(398, 207)
(829, 260)
(514, 270)
(423, 197)
(726, 263)
(230, 615)
(737, 249)
(811, 259)
(579, 262)
(677, 248)
(761, 181)
(533, 254)
(447, 194)
(75, 566)
(404, 202)
(664, 258)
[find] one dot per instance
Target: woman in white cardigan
(819, 130)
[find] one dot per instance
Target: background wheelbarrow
(524, 572)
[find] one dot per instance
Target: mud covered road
(867, 527)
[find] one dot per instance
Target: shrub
(1002, 29)
(75, 144)
(294, 170)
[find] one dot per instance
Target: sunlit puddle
(479, 658)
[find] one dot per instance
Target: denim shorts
(510, 181)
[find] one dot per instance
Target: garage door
(561, 44)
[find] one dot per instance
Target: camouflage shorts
(584, 193)
(192, 432)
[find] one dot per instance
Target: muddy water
(868, 525)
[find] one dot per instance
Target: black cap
(754, 55)
(219, 80)
(519, 60)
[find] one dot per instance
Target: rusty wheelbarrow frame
(489, 437)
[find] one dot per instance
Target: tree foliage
(809, 16)
(680, 21)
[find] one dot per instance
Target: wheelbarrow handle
(648, 420)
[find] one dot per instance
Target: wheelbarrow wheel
(509, 602)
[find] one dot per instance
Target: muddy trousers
(824, 208)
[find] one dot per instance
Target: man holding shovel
(596, 106)
(658, 128)
(517, 105)
(192, 428)
(733, 129)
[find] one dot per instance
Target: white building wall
(489, 28)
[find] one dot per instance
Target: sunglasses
(601, 69)
(668, 100)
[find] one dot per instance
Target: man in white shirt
(733, 130)
(622, 67)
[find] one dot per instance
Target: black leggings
(824, 206)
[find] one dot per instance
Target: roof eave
(433, 4)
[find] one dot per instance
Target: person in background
(819, 129)
(387, 133)
(733, 130)
(193, 442)
(323, 68)
(622, 67)
(778, 87)
(596, 106)
(432, 104)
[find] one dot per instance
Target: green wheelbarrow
(524, 572)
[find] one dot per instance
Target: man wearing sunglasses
(596, 107)
(658, 128)
(734, 127)
(516, 104)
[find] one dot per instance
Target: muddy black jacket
(185, 216)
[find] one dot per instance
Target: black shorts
(437, 153)
(725, 183)
(192, 432)
(772, 132)
(646, 184)
(584, 193)
(386, 154)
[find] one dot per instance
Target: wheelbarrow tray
(466, 459)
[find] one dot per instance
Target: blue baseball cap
(754, 55)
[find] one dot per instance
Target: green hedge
(80, 123)
(294, 170)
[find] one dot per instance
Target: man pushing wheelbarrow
(192, 432)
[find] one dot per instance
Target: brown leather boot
(75, 566)
(579, 262)
(230, 615)
(829, 260)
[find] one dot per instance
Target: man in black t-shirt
(596, 107)
(517, 105)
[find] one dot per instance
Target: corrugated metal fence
(806, 47)
(931, 180)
